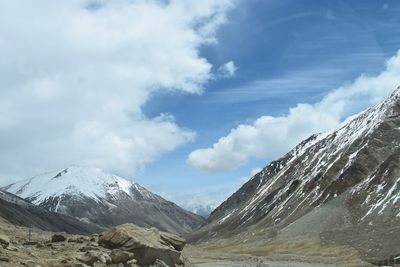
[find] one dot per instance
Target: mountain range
(20, 212)
(336, 188)
(334, 192)
(103, 199)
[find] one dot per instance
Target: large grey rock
(91, 257)
(131, 263)
(159, 263)
(173, 240)
(121, 256)
(148, 245)
(4, 241)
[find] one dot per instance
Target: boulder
(88, 248)
(173, 240)
(58, 238)
(30, 243)
(12, 248)
(147, 245)
(159, 263)
(131, 263)
(121, 256)
(94, 237)
(91, 257)
(4, 241)
(79, 239)
(4, 259)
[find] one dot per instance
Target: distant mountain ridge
(18, 211)
(203, 210)
(340, 187)
(92, 195)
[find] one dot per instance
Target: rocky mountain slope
(340, 187)
(104, 199)
(17, 211)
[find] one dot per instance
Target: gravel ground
(257, 264)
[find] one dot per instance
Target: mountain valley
(333, 200)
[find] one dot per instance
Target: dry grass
(305, 250)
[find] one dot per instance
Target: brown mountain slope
(338, 188)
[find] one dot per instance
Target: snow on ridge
(91, 182)
(337, 141)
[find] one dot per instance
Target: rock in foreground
(4, 241)
(147, 245)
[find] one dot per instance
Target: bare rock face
(121, 256)
(147, 245)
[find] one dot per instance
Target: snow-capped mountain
(341, 187)
(104, 199)
(203, 210)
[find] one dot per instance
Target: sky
(187, 98)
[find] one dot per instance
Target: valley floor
(205, 255)
(211, 255)
(259, 264)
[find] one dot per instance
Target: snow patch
(89, 182)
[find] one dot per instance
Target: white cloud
(304, 81)
(271, 137)
(75, 74)
(227, 70)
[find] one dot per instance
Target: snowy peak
(355, 127)
(107, 200)
(356, 166)
(89, 182)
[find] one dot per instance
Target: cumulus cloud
(227, 70)
(271, 137)
(75, 74)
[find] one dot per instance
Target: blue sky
(287, 52)
(186, 97)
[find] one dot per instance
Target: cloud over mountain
(270, 137)
(75, 74)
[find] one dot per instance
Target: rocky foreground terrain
(124, 246)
